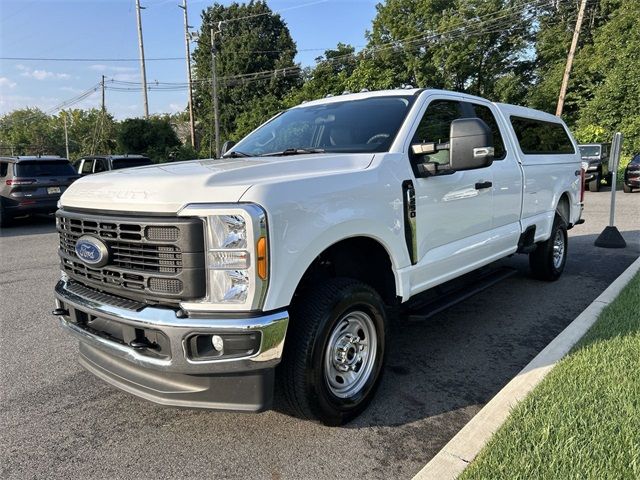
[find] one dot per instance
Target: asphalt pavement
(59, 421)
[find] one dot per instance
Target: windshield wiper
(235, 154)
(293, 151)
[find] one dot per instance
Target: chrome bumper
(272, 328)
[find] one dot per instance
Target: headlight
(585, 166)
(235, 257)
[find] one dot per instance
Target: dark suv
(32, 185)
(595, 161)
(631, 177)
(104, 163)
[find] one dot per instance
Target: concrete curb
(454, 457)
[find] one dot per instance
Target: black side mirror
(470, 144)
(226, 146)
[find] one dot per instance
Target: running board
(440, 298)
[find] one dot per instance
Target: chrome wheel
(558, 249)
(350, 354)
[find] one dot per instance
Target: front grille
(149, 259)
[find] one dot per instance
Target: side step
(440, 298)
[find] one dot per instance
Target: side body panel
(546, 177)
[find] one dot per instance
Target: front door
(453, 211)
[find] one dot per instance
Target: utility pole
(572, 52)
(192, 127)
(102, 85)
(66, 134)
(214, 92)
(142, 64)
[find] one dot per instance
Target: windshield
(590, 150)
(44, 168)
(130, 162)
(367, 125)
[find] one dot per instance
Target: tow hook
(60, 312)
(143, 344)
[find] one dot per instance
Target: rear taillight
(21, 181)
(581, 185)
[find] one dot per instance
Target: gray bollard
(610, 236)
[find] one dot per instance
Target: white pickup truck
(188, 283)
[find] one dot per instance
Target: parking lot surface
(58, 421)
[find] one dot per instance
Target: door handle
(481, 185)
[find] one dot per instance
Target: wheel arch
(361, 257)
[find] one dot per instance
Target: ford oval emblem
(92, 251)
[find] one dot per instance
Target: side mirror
(470, 144)
(226, 146)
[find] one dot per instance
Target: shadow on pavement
(463, 356)
(31, 225)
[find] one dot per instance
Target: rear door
(507, 180)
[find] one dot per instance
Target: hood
(168, 187)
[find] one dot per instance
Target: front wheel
(626, 188)
(334, 351)
(594, 185)
(547, 261)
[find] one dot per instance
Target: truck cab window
(435, 125)
(87, 166)
(101, 165)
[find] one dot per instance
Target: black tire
(626, 188)
(543, 263)
(315, 318)
(594, 185)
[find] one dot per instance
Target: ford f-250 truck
(188, 283)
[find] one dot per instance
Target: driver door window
(434, 127)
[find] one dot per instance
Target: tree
(330, 76)
(153, 137)
(556, 23)
(474, 46)
(29, 131)
(615, 99)
(252, 40)
(90, 131)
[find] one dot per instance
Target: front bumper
(105, 324)
(29, 206)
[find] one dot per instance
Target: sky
(106, 29)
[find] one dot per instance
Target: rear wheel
(594, 185)
(334, 351)
(547, 261)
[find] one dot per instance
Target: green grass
(583, 420)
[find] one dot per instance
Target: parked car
(595, 162)
(104, 163)
(31, 185)
(314, 224)
(631, 177)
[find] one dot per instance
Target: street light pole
(214, 93)
(66, 133)
(142, 64)
(192, 127)
(572, 52)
